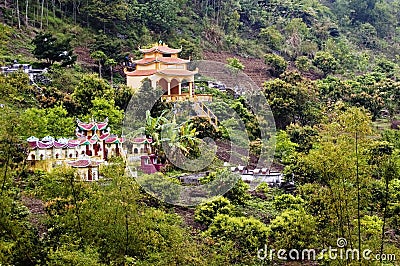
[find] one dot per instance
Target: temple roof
(166, 60)
(92, 125)
(35, 143)
(62, 143)
(114, 140)
(167, 72)
(141, 72)
(164, 49)
(83, 163)
(176, 72)
(142, 140)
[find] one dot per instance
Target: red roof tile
(93, 125)
(142, 140)
(141, 72)
(177, 72)
(83, 163)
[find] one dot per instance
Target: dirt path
(36, 208)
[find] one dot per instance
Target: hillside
(250, 28)
(91, 174)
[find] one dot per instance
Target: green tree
(287, 201)
(297, 39)
(272, 37)
(207, 211)
(103, 109)
(189, 50)
(89, 88)
(123, 95)
(326, 62)
(285, 148)
(339, 161)
(19, 240)
(33, 123)
(293, 229)
(101, 14)
(111, 63)
(159, 16)
(59, 123)
(15, 89)
(100, 57)
(248, 234)
(277, 64)
(303, 136)
(237, 189)
(53, 49)
(292, 99)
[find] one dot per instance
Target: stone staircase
(202, 110)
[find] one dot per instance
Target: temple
(162, 66)
(93, 146)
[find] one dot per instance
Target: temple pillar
(180, 88)
(190, 89)
(169, 88)
(154, 83)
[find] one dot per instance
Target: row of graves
(93, 146)
(34, 74)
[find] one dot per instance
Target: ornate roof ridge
(161, 48)
(92, 125)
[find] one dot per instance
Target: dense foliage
(333, 88)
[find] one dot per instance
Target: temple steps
(202, 110)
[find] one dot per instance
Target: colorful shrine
(93, 146)
(162, 66)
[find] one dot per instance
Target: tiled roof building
(163, 67)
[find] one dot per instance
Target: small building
(87, 168)
(149, 164)
(138, 146)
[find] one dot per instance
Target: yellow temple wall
(180, 66)
(146, 67)
(150, 55)
(134, 82)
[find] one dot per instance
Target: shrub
(303, 63)
(235, 188)
(285, 149)
(326, 62)
(287, 201)
(249, 234)
(206, 211)
(277, 63)
(263, 188)
(293, 229)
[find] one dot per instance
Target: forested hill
(329, 71)
(355, 33)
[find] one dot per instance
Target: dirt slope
(255, 68)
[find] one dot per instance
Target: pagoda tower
(163, 67)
